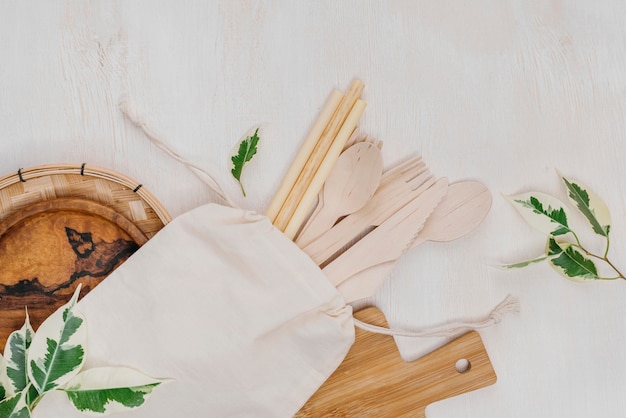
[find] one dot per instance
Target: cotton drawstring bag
(222, 303)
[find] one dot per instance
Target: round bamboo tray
(107, 187)
(61, 225)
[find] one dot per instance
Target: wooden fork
(367, 138)
(398, 187)
(391, 239)
(357, 137)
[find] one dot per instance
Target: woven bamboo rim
(107, 187)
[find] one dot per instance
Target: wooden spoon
(351, 183)
(391, 239)
(462, 209)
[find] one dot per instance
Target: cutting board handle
(458, 367)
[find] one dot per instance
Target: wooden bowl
(63, 225)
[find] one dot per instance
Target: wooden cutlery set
(365, 219)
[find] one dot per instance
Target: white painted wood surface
(499, 91)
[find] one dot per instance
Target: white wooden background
(500, 91)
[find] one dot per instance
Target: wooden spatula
(374, 381)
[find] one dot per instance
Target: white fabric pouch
(225, 305)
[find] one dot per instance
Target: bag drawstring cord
(130, 112)
(509, 304)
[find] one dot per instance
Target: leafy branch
(34, 364)
(246, 150)
(564, 250)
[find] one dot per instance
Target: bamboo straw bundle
(306, 175)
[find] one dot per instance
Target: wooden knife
(389, 240)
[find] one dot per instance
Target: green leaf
(247, 150)
(14, 407)
(4, 379)
(590, 205)
(106, 390)
(57, 351)
(15, 354)
(31, 395)
(553, 247)
(543, 212)
(569, 262)
(525, 263)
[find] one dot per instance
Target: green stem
(610, 278)
(621, 275)
(242, 189)
(606, 260)
(34, 403)
(608, 245)
(577, 240)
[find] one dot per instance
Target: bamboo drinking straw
(354, 137)
(303, 154)
(324, 169)
(317, 156)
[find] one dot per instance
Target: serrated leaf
(569, 262)
(4, 380)
(3, 384)
(15, 354)
(31, 395)
(106, 390)
(57, 351)
(590, 205)
(14, 407)
(543, 212)
(247, 149)
(553, 248)
(524, 263)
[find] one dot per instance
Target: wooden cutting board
(47, 248)
(374, 381)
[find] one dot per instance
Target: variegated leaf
(106, 390)
(569, 262)
(15, 354)
(525, 263)
(57, 351)
(543, 212)
(14, 407)
(4, 380)
(590, 205)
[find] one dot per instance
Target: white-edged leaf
(14, 407)
(15, 355)
(524, 263)
(4, 380)
(107, 390)
(566, 259)
(543, 212)
(590, 205)
(57, 351)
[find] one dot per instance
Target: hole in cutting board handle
(463, 365)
